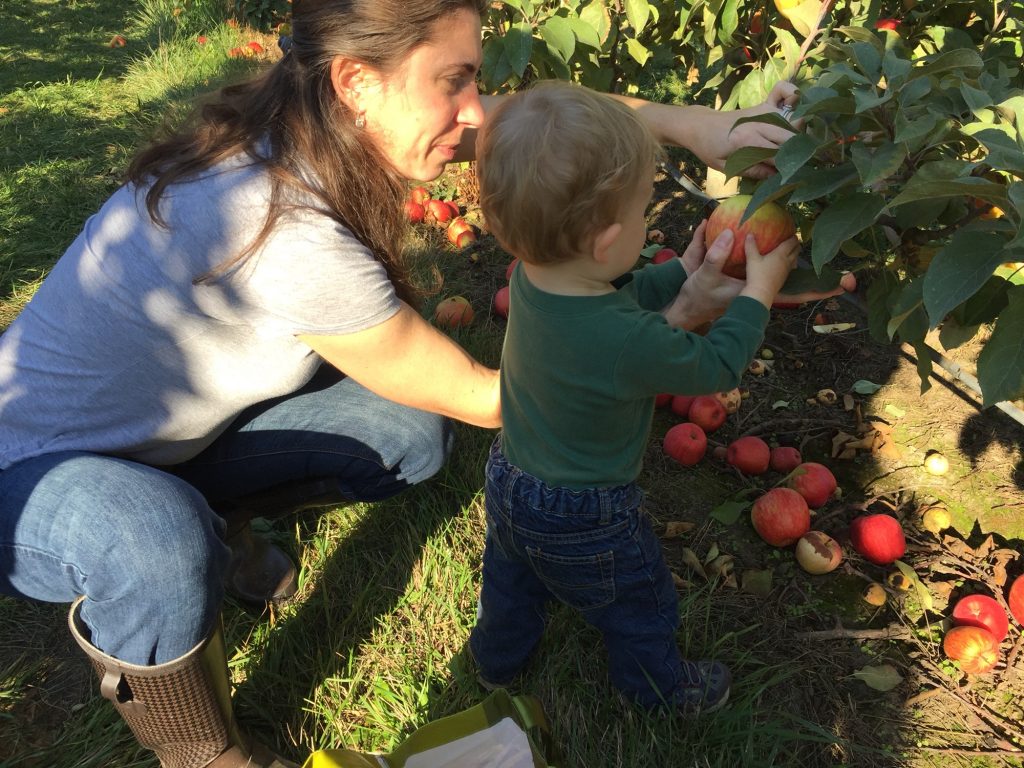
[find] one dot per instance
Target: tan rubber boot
(180, 709)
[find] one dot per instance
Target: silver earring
(360, 120)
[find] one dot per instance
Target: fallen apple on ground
(982, 611)
(974, 647)
(818, 553)
(874, 594)
(749, 454)
(814, 481)
(770, 225)
(680, 404)
(663, 400)
(453, 312)
(707, 412)
(501, 301)
(414, 211)
(419, 195)
(936, 519)
(1015, 599)
(878, 538)
(686, 443)
(731, 400)
(784, 459)
(510, 269)
(780, 516)
(935, 463)
(460, 232)
(438, 211)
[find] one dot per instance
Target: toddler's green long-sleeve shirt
(579, 373)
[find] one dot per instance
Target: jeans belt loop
(606, 507)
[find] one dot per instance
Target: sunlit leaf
(881, 677)
(1001, 362)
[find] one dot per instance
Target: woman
(183, 361)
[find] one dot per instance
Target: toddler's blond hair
(556, 164)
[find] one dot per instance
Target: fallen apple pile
(421, 207)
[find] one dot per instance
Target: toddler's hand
(767, 273)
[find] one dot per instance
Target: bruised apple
(817, 552)
(453, 312)
(815, 482)
(730, 399)
(974, 647)
(982, 611)
(780, 516)
(686, 443)
(770, 225)
(878, 538)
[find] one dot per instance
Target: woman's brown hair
(312, 144)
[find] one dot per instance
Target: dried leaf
(848, 402)
(999, 560)
(693, 562)
(679, 581)
(883, 677)
(712, 554)
(958, 548)
(676, 528)
(730, 581)
(982, 550)
(721, 566)
(779, 404)
(757, 583)
(693, 76)
(894, 411)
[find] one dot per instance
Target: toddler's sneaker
(705, 687)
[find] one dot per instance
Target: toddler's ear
(604, 240)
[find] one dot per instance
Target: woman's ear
(604, 240)
(349, 78)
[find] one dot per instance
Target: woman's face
(418, 113)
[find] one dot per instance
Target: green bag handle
(526, 711)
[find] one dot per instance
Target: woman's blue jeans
(142, 543)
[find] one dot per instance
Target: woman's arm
(408, 361)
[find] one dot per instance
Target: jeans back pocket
(584, 582)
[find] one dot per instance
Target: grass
(374, 645)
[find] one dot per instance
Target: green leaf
(881, 295)
(794, 154)
(744, 158)
(637, 50)
(882, 677)
(894, 68)
(878, 163)
(975, 97)
(908, 317)
(959, 270)
(637, 12)
(968, 186)
(865, 387)
(1001, 362)
(518, 41)
(805, 279)
(728, 512)
(923, 595)
(957, 59)
(867, 99)
(813, 183)
(495, 69)
(769, 118)
(595, 14)
(767, 191)
(985, 305)
(790, 48)
(1003, 152)
(911, 129)
(841, 221)
(860, 34)
(585, 32)
(557, 32)
(868, 58)
(757, 582)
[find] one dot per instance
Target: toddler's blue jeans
(594, 550)
(141, 542)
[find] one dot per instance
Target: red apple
(453, 207)
(974, 647)
(982, 611)
(419, 195)
(707, 412)
(511, 268)
(414, 211)
(784, 459)
(818, 552)
(458, 227)
(780, 516)
(770, 225)
(663, 401)
(255, 47)
(686, 443)
(501, 301)
(750, 455)
(815, 482)
(453, 312)
(681, 405)
(878, 538)
(438, 211)
(890, 24)
(1015, 599)
(665, 254)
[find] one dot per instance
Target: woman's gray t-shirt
(120, 352)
